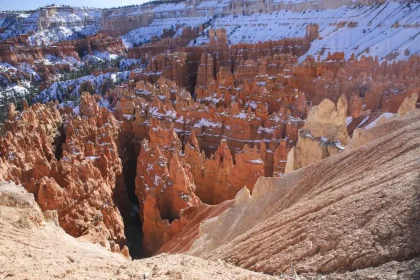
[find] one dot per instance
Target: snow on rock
(126, 63)
(207, 123)
(339, 145)
(349, 120)
(241, 115)
(101, 57)
(256, 161)
(145, 34)
(62, 90)
(61, 33)
(390, 30)
(154, 111)
(375, 121)
(363, 121)
(51, 25)
(381, 30)
(11, 93)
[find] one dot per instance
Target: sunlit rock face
(70, 163)
(324, 133)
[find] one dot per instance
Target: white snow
(207, 123)
(60, 24)
(59, 90)
(256, 161)
(324, 139)
(156, 180)
(339, 146)
(144, 35)
(101, 57)
(389, 30)
(61, 33)
(374, 34)
(375, 122)
(241, 115)
(92, 158)
(154, 112)
(349, 120)
(363, 121)
(128, 117)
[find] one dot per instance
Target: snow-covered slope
(390, 28)
(70, 89)
(144, 34)
(50, 25)
(62, 33)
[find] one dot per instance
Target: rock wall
(70, 164)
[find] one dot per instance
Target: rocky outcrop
(164, 187)
(328, 120)
(174, 67)
(218, 178)
(323, 134)
(206, 70)
(408, 105)
(70, 164)
(168, 182)
(312, 31)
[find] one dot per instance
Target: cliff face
(218, 178)
(70, 164)
(120, 21)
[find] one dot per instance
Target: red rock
(70, 164)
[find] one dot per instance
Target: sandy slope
(32, 248)
(355, 210)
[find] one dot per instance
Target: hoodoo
(210, 139)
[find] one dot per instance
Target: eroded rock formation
(70, 164)
(307, 220)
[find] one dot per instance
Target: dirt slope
(355, 210)
(33, 248)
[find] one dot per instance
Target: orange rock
(46, 152)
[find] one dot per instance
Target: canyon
(243, 140)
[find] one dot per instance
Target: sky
(34, 4)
